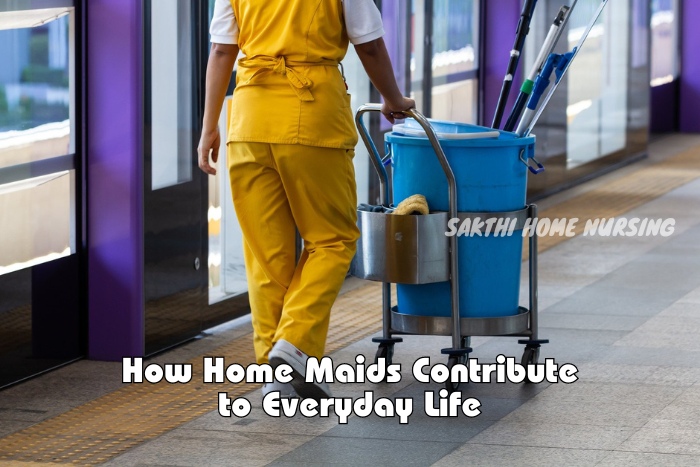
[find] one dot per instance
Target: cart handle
(384, 197)
(378, 163)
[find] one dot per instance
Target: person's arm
(377, 64)
(219, 69)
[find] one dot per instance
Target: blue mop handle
(541, 84)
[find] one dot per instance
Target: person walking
(290, 146)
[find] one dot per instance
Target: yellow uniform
(290, 149)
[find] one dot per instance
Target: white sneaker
(284, 352)
(285, 389)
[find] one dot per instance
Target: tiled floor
(625, 311)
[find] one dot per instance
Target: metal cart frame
(523, 324)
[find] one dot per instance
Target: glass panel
(358, 87)
(597, 91)
(36, 86)
(396, 16)
(37, 216)
(171, 93)
(598, 117)
(455, 55)
(40, 319)
(417, 52)
(664, 41)
(226, 266)
(40, 311)
(15, 326)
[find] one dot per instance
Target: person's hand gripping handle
(394, 110)
(375, 59)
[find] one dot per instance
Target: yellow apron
(291, 144)
(289, 86)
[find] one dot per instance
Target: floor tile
(591, 322)
(554, 435)
(199, 448)
(419, 428)
(10, 426)
(258, 421)
(666, 436)
(664, 331)
(690, 396)
(635, 374)
(486, 455)
(679, 410)
(325, 450)
(686, 307)
(575, 346)
(636, 459)
(600, 299)
(633, 354)
(585, 412)
(609, 393)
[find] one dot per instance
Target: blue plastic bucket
(491, 177)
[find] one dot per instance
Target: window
(171, 93)
(664, 41)
(597, 88)
(434, 48)
(226, 265)
(39, 203)
(37, 137)
(599, 114)
(35, 91)
(455, 60)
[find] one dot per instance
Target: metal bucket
(402, 249)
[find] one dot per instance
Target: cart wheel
(385, 351)
(452, 361)
(530, 357)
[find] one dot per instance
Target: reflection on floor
(179, 317)
(15, 328)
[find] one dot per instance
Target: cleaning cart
(459, 286)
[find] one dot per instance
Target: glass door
(193, 278)
(41, 310)
(598, 117)
(175, 247)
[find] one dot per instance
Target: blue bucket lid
(414, 135)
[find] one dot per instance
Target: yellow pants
(276, 187)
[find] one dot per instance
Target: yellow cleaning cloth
(416, 204)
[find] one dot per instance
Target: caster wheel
(451, 362)
(530, 357)
(385, 351)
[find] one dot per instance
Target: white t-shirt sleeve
(224, 27)
(362, 21)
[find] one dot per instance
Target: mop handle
(563, 70)
(550, 43)
(520, 35)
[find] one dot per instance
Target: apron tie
(299, 83)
